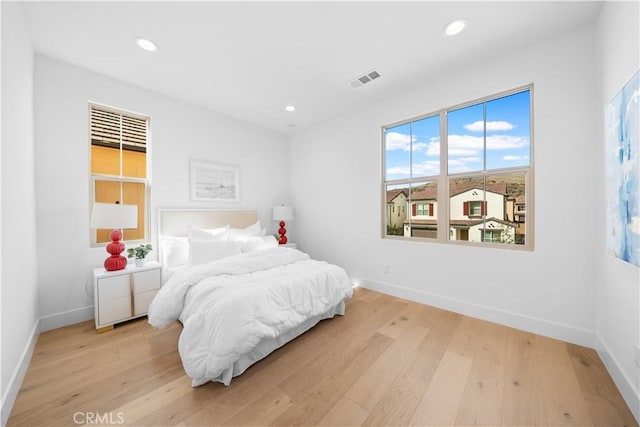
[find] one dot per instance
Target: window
(491, 235)
(422, 209)
(477, 156)
(412, 160)
(119, 158)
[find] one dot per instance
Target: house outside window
(478, 157)
(119, 147)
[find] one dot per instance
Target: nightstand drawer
(112, 310)
(146, 281)
(141, 302)
(114, 287)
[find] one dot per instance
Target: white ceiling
(251, 59)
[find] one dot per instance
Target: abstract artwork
(213, 182)
(622, 127)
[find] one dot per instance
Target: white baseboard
(626, 387)
(66, 318)
(559, 331)
(13, 387)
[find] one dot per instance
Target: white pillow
(174, 250)
(253, 244)
(254, 229)
(201, 251)
(219, 234)
(242, 234)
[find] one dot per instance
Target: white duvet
(228, 306)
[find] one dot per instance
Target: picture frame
(213, 182)
(623, 172)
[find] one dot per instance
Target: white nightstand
(290, 245)
(123, 294)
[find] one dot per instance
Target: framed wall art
(622, 145)
(213, 182)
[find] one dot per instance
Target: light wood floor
(388, 362)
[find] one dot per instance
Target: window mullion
(443, 182)
(410, 206)
(121, 160)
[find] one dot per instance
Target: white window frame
(443, 179)
(121, 179)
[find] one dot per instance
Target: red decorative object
(282, 232)
(115, 248)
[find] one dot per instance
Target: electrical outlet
(387, 269)
(636, 355)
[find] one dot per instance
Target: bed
(238, 294)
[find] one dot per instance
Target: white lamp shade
(114, 216)
(282, 213)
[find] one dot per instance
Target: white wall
(549, 290)
(180, 132)
(19, 254)
(617, 282)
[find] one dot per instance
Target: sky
(413, 149)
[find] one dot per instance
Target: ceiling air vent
(365, 78)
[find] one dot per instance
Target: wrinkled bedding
(231, 305)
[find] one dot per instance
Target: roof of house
(471, 223)
(431, 192)
(494, 187)
(427, 193)
(392, 194)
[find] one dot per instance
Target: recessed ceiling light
(290, 108)
(146, 44)
(455, 27)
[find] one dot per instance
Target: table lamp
(282, 213)
(116, 217)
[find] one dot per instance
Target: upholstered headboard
(173, 230)
(174, 222)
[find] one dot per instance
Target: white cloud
(469, 159)
(398, 171)
(465, 151)
(398, 141)
(457, 166)
(506, 142)
(420, 146)
(462, 152)
(429, 167)
(491, 126)
(433, 147)
(465, 145)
